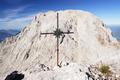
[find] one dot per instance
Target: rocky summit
(35, 55)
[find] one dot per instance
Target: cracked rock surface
(35, 54)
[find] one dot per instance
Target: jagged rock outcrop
(72, 71)
(91, 43)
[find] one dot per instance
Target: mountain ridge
(7, 33)
(89, 45)
(116, 32)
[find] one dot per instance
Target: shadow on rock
(15, 76)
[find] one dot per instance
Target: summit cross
(57, 33)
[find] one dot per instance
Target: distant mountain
(7, 33)
(116, 31)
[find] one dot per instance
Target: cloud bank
(15, 18)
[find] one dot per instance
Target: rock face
(91, 43)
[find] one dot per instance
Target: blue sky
(15, 14)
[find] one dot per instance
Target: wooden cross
(57, 33)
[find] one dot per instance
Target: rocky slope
(91, 44)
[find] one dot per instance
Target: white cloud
(12, 19)
(17, 23)
(12, 13)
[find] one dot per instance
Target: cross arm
(46, 33)
(68, 32)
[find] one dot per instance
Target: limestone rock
(90, 44)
